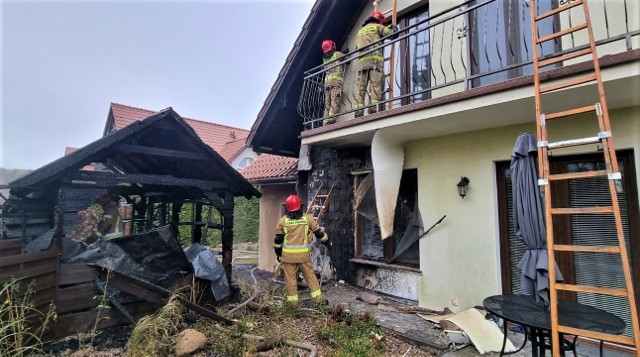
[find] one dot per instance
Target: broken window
(402, 248)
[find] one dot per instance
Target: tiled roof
(269, 167)
(212, 134)
(233, 148)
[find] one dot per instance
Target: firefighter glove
(278, 251)
(325, 239)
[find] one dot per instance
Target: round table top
(523, 309)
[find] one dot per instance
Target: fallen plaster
(402, 284)
(387, 156)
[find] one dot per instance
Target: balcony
(473, 45)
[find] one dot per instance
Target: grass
(351, 334)
(153, 335)
(18, 318)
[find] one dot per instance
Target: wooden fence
(39, 269)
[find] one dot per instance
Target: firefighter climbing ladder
(392, 56)
(603, 138)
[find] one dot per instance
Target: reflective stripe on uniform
(315, 294)
(292, 298)
(295, 250)
(113, 235)
(335, 73)
(288, 248)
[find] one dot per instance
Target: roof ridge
(185, 118)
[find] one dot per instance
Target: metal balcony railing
(467, 46)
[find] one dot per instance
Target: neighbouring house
(460, 94)
(228, 141)
(276, 177)
(157, 164)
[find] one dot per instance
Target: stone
(189, 342)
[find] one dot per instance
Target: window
(501, 39)
(245, 162)
(403, 247)
(579, 268)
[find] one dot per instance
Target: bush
(246, 223)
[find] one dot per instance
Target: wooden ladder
(603, 138)
(318, 204)
(392, 57)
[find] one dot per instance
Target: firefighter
(333, 80)
(110, 225)
(292, 248)
(371, 65)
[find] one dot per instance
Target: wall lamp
(463, 186)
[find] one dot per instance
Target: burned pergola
(157, 164)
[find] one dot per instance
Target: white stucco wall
(460, 259)
(246, 153)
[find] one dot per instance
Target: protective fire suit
(110, 225)
(370, 66)
(334, 77)
(292, 242)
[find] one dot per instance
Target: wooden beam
(153, 151)
(166, 294)
(111, 179)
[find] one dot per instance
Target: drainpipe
(387, 155)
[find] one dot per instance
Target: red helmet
(379, 16)
(293, 203)
(328, 45)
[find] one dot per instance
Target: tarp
(154, 256)
(206, 266)
(528, 219)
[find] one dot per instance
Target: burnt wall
(335, 167)
(27, 218)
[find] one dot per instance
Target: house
(276, 177)
(226, 140)
(461, 92)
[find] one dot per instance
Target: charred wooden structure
(157, 165)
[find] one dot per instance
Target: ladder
(318, 204)
(392, 57)
(603, 138)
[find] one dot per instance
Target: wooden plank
(166, 293)
(159, 180)
(566, 84)
(71, 274)
(591, 289)
(578, 175)
(582, 210)
(596, 335)
(558, 9)
(155, 151)
(115, 303)
(29, 274)
(586, 249)
(10, 244)
(76, 298)
(562, 33)
(70, 324)
(137, 291)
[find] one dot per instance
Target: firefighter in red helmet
(370, 72)
(292, 248)
(333, 79)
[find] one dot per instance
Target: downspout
(387, 156)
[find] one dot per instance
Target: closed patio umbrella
(529, 219)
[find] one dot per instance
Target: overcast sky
(63, 63)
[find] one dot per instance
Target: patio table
(536, 320)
